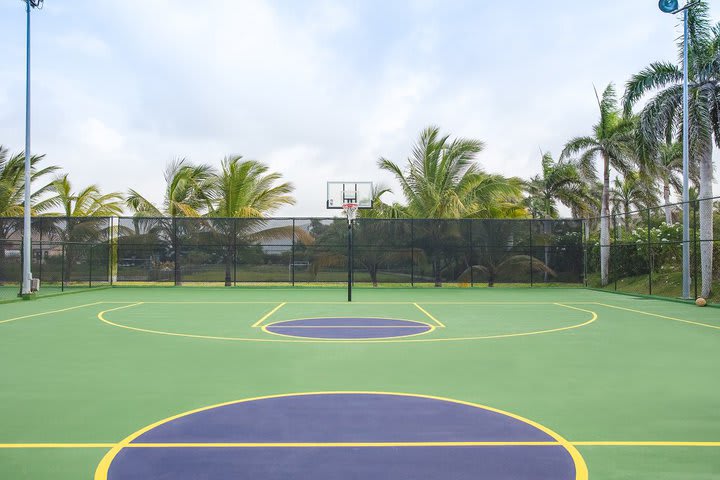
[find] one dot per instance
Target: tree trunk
(604, 224)
(706, 219)
(666, 196)
(627, 216)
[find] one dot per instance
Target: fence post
(412, 252)
(90, 267)
(584, 232)
(472, 251)
(292, 255)
(650, 258)
(110, 248)
(695, 247)
(610, 249)
(175, 252)
(62, 268)
(531, 253)
(235, 220)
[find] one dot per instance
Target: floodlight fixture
(668, 6)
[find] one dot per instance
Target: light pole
(671, 6)
(27, 225)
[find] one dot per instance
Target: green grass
(663, 285)
(67, 377)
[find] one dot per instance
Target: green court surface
(632, 383)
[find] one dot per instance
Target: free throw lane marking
(259, 322)
(439, 323)
(48, 313)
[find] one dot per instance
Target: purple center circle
(326, 436)
(343, 328)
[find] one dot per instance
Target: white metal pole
(27, 233)
(686, 163)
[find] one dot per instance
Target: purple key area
(348, 328)
(314, 422)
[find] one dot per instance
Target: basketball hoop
(350, 210)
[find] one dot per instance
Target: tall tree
(631, 192)
(611, 142)
(442, 180)
(661, 117)
(79, 223)
(246, 189)
(87, 202)
(558, 182)
(186, 187)
(12, 182)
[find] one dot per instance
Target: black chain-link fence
(93, 251)
(645, 251)
(67, 253)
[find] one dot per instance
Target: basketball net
(350, 210)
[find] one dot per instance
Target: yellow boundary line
(618, 443)
(354, 303)
(581, 471)
(440, 324)
(48, 313)
(716, 327)
(290, 339)
(259, 322)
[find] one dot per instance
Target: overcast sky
(316, 89)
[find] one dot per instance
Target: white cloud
(317, 89)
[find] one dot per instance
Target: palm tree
(661, 116)
(245, 189)
(558, 182)
(81, 216)
(442, 180)
(631, 192)
(611, 142)
(669, 162)
(12, 189)
(186, 187)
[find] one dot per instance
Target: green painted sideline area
(632, 382)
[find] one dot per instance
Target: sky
(316, 89)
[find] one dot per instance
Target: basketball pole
(350, 258)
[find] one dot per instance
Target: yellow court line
(716, 327)
(340, 444)
(646, 444)
(57, 445)
(259, 322)
(51, 311)
(581, 471)
(360, 444)
(440, 324)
